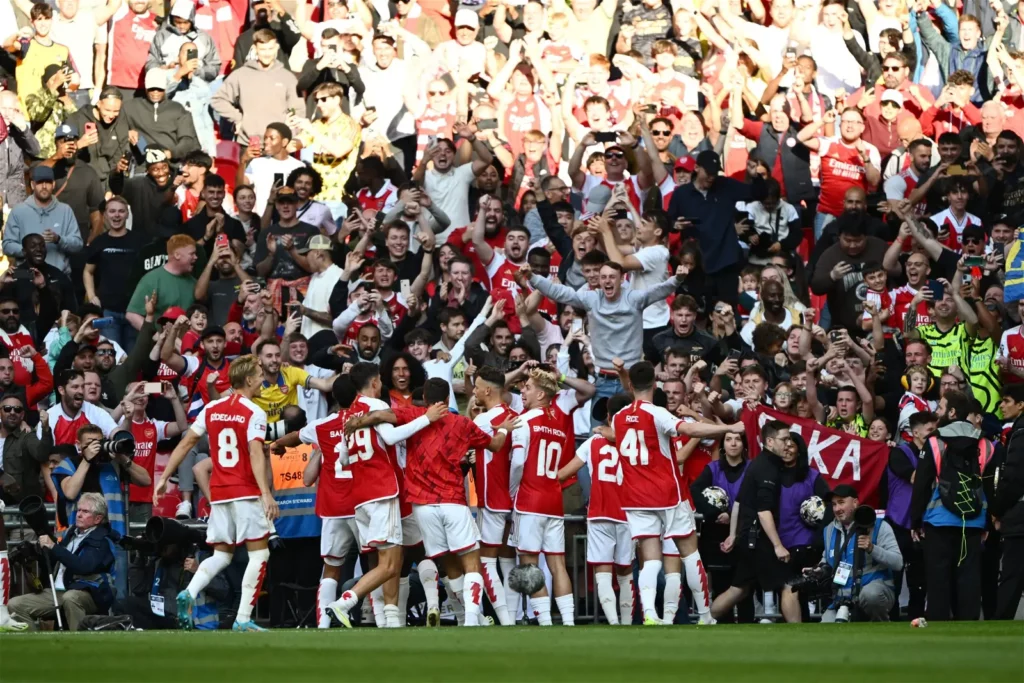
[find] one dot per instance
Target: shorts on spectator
(237, 521)
(609, 543)
(533, 534)
(379, 523)
(446, 528)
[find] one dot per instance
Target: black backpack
(958, 468)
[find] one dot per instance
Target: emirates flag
(840, 457)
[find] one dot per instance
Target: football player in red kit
(242, 504)
(652, 489)
(537, 518)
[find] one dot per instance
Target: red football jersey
(650, 477)
(232, 423)
(433, 474)
(537, 446)
(336, 490)
(502, 285)
(496, 241)
(369, 460)
(396, 308)
(694, 465)
(147, 434)
(602, 461)
(901, 298)
(492, 467)
(841, 169)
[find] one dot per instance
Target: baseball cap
(598, 198)
(42, 174)
(975, 231)
(318, 242)
(172, 314)
(156, 79)
(64, 131)
(467, 17)
(287, 194)
(155, 156)
(213, 331)
(709, 161)
(82, 348)
(843, 491)
(686, 163)
(892, 96)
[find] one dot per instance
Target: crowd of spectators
(807, 205)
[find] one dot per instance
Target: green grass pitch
(866, 653)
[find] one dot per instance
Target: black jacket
(1007, 504)
(165, 125)
(311, 77)
(87, 568)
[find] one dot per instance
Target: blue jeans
(821, 220)
(607, 387)
(121, 331)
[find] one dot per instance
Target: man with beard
(838, 272)
(222, 291)
(855, 203)
(71, 412)
(683, 334)
(204, 377)
(501, 267)
(48, 286)
(172, 283)
(499, 340)
(444, 363)
(312, 401)
(44, 215)
(615, 167)
(105, 133)
(109, 256)
(36, 386)
(77, 185)
(150, 196)
(951, 524)
(282, 382)
(448, 182)
(773, 310)
(165, 125)
(213, 221)
(492, 212)
(18, 343)
(900, 186)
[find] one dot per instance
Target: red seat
(228, 170)
(818, 303)
(806, 244)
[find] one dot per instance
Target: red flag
(840, 457)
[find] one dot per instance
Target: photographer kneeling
(83, 561)
(861, 553)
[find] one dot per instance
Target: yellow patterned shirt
(334, 170)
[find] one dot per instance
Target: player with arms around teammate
(537, 519)
(608, 539)
(651, 491)
(491, 480)
(434, 485)
(242, 504)
(378, 516)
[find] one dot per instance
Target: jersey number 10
(548, 457)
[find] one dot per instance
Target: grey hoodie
(28, 218)
(167, 45)
(253, 97)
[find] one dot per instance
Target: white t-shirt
(318, 298)
(450, 193)
(80, 35)
(655, 262)
(261, 172)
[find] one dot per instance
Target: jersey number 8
(227, 448)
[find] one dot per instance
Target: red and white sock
(403, 600)
(5, 585)
(606, 597)
(208, 569)
(541, 608)
(566, 609)
(495, 589)
(697, 580)
(649, 587)
(513, 598)
(473, 598)
(454, 589)
(627, 599)
(347, 601)
(325, 595)
(673, 592)
(252, 579)
(428, 577)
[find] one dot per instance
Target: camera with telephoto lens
(121, 443)
(815, 583)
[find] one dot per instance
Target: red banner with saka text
(840, 457)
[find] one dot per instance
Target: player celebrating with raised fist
(537, 519)
(242, 504)
(651, 491)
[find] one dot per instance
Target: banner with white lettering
(840, 457)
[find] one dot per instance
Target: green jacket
(47, 111)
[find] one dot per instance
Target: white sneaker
(183, 511)
(706, 620)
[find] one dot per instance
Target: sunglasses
(13, 409)
(891, 69)
(973, 240)
(614, 155)
(661, 133)
(322, 99)
(890, 104)
(105, 352)
(435, 93)
(9, 311)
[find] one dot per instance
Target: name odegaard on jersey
(218, 417)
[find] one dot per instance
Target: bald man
(19, 137)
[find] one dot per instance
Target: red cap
(686, 163)
(172, 313)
